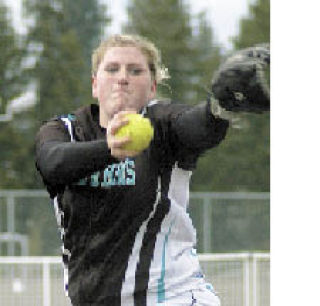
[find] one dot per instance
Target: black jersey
(127, 238)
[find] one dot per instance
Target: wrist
(215, 108)
(219, 112)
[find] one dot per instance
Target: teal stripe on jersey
(161, 289)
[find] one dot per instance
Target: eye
(136, 70)
(112, 68)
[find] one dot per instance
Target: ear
(94, 86)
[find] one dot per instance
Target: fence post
(10, 222)
(254, 280)
(246, 281)
(46, 283)
(207, 225)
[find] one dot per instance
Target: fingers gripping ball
(140, 131)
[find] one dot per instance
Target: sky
(224, 15)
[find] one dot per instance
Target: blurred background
(45, 48)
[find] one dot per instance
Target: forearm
(67, 162)
(197, 128)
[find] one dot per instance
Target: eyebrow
(128, 64)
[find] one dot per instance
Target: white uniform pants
(204, 296)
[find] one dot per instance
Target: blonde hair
(158, 71)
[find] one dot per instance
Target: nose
(123, 76)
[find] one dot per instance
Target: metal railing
(239, 279)
(208, 197)
(28, 226)
(216, 216)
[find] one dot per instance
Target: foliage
(59, 61)
(168, 24)
(242, 161)
(87, 19)
(12, 85)
(11, 81)
(207, 60)
(55, 53)
(256, 27)
(59, 41)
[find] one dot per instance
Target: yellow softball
(140, 131)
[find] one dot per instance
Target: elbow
(50, 165)
(52, 173)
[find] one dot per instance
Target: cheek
(145, 87)
(104, 86)
(151, 91)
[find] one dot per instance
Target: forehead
(125, 55)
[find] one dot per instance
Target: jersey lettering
(120, 174)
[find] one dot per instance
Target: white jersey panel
(175, 266)
(179, 187)
(129, 282)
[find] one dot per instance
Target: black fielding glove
(240, 84)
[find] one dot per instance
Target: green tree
(87, 19)
(12, 85)
(58, 67)
(59, 61)
(255, 28)
(242, 161)
(11, 82)
(167, 24)
(60, 42)
(208, 57)
(64, 34)
(53, 53)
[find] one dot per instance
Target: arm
(197, 129)
(238, 86)
(61, 162)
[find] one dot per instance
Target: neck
(103, 119)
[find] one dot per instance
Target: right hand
(116, 144)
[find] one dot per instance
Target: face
(123, 82)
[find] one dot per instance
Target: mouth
(119, 93)
(121, 90)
